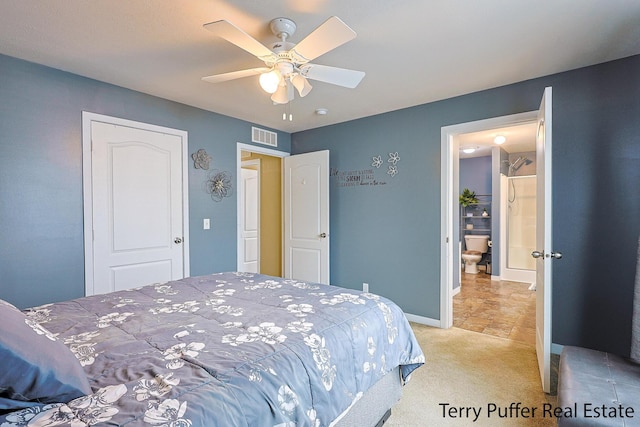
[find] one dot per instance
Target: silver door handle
(538, 254)
(177, 240)
(323, 235)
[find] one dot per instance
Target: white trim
(422, 320)
(446, 231)
(449, 194)
(87, 185)
(556, 348)
(240, 147)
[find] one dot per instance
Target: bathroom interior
(497, 233)
(499, 166)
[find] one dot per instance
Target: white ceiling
(413, 51)
(519, 139)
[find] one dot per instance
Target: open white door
(249, 217)
(306, 217)
(543, 252)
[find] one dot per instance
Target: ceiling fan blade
(235, 35)
(333, 75)
(217, 78)
(329, 35)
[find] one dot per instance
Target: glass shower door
(521, 222)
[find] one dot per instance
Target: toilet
(476, 246)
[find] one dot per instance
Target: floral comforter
(229, 349)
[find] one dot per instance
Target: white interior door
(544, 253)
(250, 218)
(137, 212)
(306, 217)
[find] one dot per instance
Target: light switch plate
(206, 224)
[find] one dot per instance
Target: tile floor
(499, 308)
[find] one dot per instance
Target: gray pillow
(35, 367)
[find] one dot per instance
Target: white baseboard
(456, 291)
(423, 320)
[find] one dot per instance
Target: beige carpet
(469, 369)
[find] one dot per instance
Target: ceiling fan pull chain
(287, 112)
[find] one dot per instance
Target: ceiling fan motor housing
(282, 27)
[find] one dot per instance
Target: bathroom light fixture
(468, 150)
(500, 139)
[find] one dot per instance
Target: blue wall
(475, 174)
(389, 236)
(41, 216)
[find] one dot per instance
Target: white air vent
(263, 136)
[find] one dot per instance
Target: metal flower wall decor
(394, 158)
(201, 159)
(219, 185)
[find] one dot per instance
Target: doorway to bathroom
(451, 225)
(497, 232)
(500, 222)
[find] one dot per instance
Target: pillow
(36, 368)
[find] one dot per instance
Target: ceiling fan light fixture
(281, 95)
(301, 84)
(270, 81)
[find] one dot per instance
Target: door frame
(449, 198)
(87, 187)
(240, 147)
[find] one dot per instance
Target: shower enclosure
(518, 233)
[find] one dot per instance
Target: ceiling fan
(287, 65)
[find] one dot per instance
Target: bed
(228, 349)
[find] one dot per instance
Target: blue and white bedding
(229, 349)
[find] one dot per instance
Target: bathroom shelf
(481, 224)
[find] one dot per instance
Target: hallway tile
(499, 308)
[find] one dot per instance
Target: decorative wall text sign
(355, 178)
(366, 177)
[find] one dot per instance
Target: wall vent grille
(263, 136)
